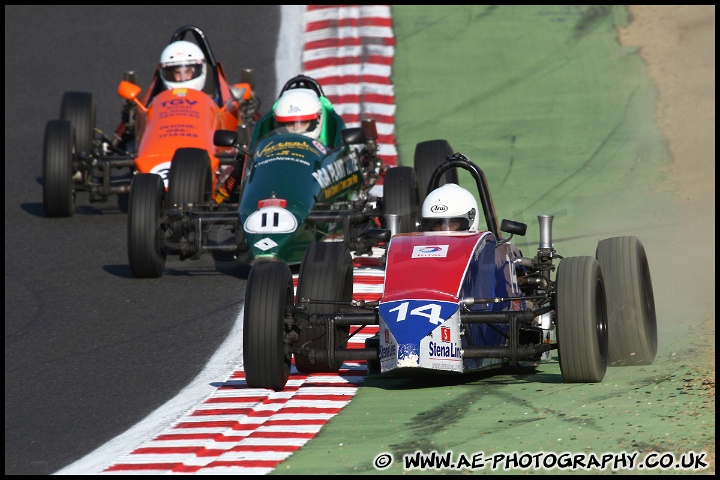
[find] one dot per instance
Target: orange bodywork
(180, 118)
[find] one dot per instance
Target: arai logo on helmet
(438, 208)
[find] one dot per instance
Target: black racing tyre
(428, 156)
(632, 322)
(400, 197)
(146, 249)
(582, 325)
(190, 179)
(58, 155)
(80, 110)
(326, 273)
(269, 293)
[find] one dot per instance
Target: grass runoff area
(558, 115)
(561, 118)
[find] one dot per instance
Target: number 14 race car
(453, 302)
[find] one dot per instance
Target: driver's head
(183, 65)
(298, 110)
(449, 208)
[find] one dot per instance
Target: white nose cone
(271, 220)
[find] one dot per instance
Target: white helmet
(449, 207)
(299, 111)
(183, 65)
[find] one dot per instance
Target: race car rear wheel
(190, 179)
(146, 250)
(632, 322)
(428, 156)
(58, 155)
(582, 325)
(400, 196)
(269, 293)
(326, 273)
(79, 109)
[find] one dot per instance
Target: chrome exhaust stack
(545, 231)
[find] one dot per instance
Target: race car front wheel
(190, 180)
(582, 324)
(269, 292)
(632, 321)
(326, 274)
(145, 237)
(58, 154)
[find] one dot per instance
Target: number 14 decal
(431, 311)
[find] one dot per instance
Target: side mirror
(225, 138)
(241, 91)
(353, 136)
(513, 228)
(128, 90)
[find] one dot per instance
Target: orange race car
(188, 99)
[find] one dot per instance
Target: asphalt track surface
(88, 354)
(90, 351)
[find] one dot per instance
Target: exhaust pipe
(545, 231)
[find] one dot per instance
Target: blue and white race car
(453, 302)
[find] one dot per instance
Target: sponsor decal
(319, 146)
(447, 366)
(341, 186)
(444, 334)
(178, 107)
(424, 251)
(388, 348)
(442, 348)
(336, 171)
(178, 129)
(438, 351)
(265, 244)
(438, 208)
(282, 159)
(178, 102)
(283, 148)
(388, 351)
(179, 92)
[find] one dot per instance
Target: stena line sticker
(424, 251)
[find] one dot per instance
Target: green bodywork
(296, 174)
